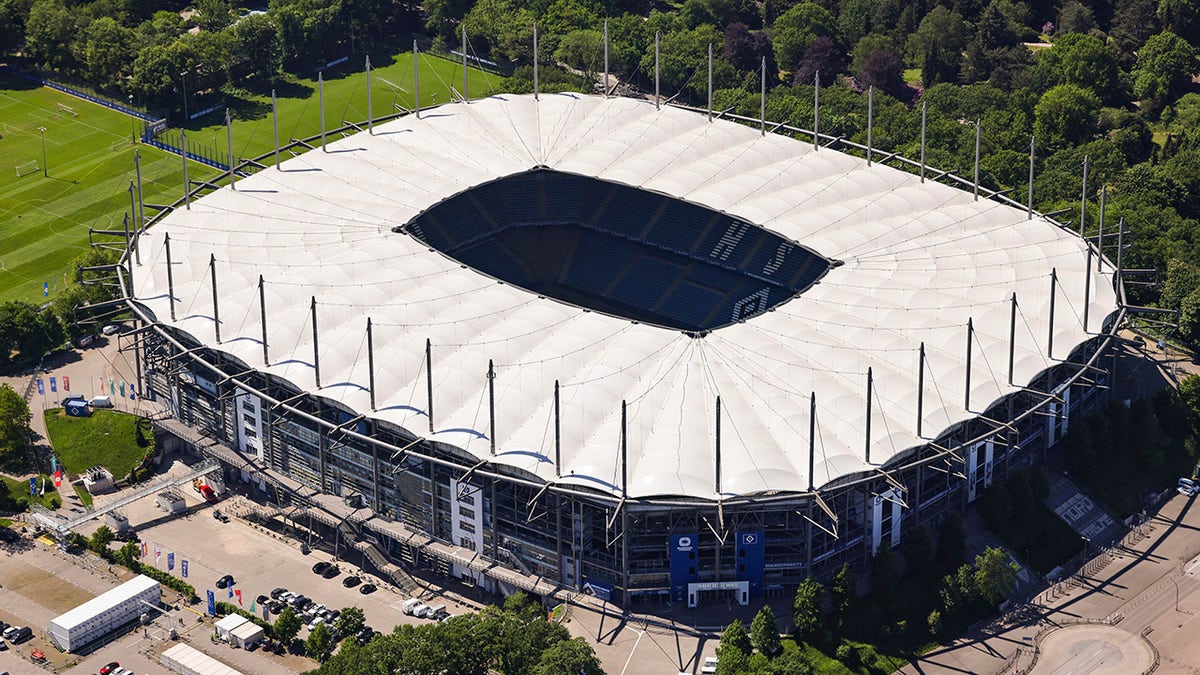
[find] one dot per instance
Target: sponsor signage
(750, 560)
(598, 589)
(683, 553)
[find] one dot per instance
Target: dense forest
(1112, 82)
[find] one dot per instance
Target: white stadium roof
(920, 260)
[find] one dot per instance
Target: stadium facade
(625, 349)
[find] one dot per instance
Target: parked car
(225, 581)
(101, 402)
(315, 622)
(331, 572)
(107, 670)
(262, 599)
(220, 516)
(351, 582)
(111, 329)
(334, 614)
(3, 645)
(1188, 487)
(275, 606)
(366, 589)
(364, 636)
(20, 635)
(9, 631)
(320, 567)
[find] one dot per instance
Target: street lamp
(132, 123)
(43, 133)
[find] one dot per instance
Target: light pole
(42, 130)
(183, 81)
(132, 123)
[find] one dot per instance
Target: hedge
(229, 608)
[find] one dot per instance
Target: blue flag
(170, 561)
(212, 603)
(41, 387)
(53, 384)
(231, 591)
(183, 568)
(45, 289)
(33, 485)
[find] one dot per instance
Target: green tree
(319, 643)
(734, 639)
(108, 52)
(350, 621)
(764, 632)
(918, 552)
(257, 43)
(1079, 59)
(995, 575)
(937, 44)
(842, 592)
(101, 538)
(1066, 115)
(128, 554)
(569, 657)
(14, 428)
(27, 331)
(796, 29)
(213, 15)
(684, 62)
(1164, 64)
(286, 626)
(806, 608)
(583, 50)
(49, 31)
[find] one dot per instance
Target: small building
(247, 634)
(187, 660)
(98, 480)
(228, 624)
(117, 521)
(77, 408)
(170, 501)
(104, 613)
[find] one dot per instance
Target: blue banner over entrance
(750, 566)
(683, 553)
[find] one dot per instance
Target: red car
(109, 668)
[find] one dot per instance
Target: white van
(410, 604)
(435, 611)
(1188, 487)
(420, 611)
(111, 329)
(101, 402)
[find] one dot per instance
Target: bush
(166, 579)
(230, 608)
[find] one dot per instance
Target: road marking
(634, 649)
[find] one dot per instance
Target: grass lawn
(5, 522)
(18, 489)
(84, 495)
(107, 438)
(89, 163)
(345, 99)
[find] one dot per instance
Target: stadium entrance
(719, 591)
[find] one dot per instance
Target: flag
(66, 383)
(145, 551)
(41, 387)
(157, 554)
(251, 606)
(231, 592)
(238, 593)
(132, 397)
(57, 478)
(53, 464)
(212, 603)
(33, 486)
(53, 384)
(43, 484)
(45, 289)
(122, 388)
(170, 561)
(112, 387)
(183, 568)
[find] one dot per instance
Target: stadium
(603, 345)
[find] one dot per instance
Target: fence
(98, 99)
(170, 141)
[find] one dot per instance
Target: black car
(333, 615)
(305, 604)
(275, 606)
(366, 589)
(364, 636)
(225, 581)
(351, 582)
(277, 592)
(331, 572)
(320, 568)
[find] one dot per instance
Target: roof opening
(620, 250)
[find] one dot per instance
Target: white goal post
(63, 107)
(27, 168)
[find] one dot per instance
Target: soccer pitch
(345, 99)
(44, 219)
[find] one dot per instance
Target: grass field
(18, 488)
(107, 439)
(44, 220)
(345, 99)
